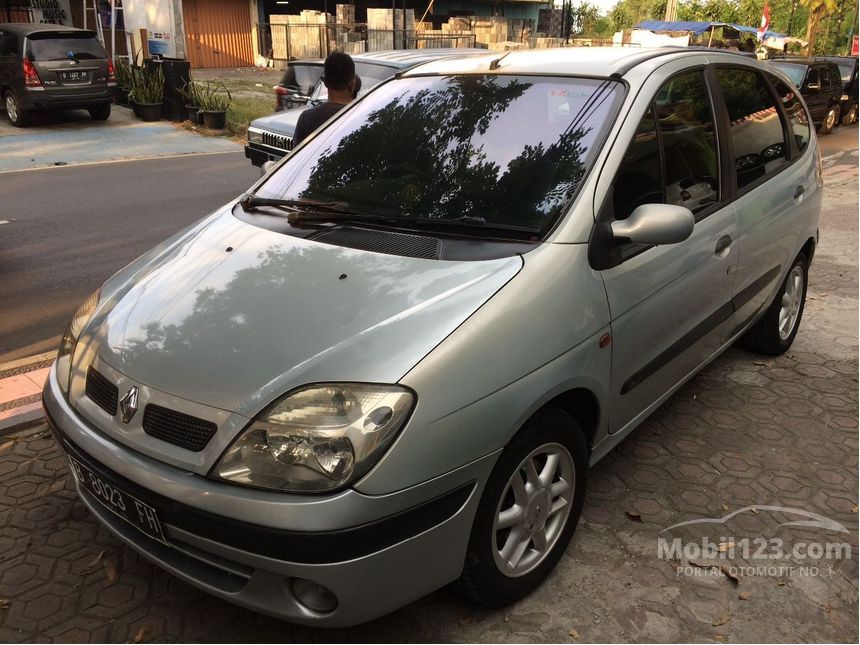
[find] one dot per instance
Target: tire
(773, 334)
(850, 117)
(18, 117)
(100, 112)
(490, 579)
(830, 120)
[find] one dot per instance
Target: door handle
(722, 244)
(798, 192)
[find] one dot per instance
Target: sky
(603, 5)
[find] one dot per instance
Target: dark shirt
(311, 119)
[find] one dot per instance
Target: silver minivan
(389, 365)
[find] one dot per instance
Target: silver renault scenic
(389, 365)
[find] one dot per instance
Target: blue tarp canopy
(692, 26)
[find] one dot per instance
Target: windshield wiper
(309, 210)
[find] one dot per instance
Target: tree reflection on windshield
(511, 150)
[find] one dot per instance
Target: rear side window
(8, 44)
(45, 49)
(797, 118)
(756, 128)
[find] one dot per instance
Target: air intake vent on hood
(403, 244)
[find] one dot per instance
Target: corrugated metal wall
(218, 33)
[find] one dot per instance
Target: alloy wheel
(792, 299)
(533, 510)
(11, 108)
(831, 118)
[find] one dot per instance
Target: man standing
(340, 80)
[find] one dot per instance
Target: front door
(670, 305)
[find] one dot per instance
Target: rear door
(671, 304)
(769, 133)
(69, 63)
(816, 99)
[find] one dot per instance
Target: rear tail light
(31, 76)
(111, 74)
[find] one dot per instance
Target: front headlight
(318, 438)
(255, 136)
(70, 339)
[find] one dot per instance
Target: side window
(681, 121)
(9, 44)
(686, 122)
(824, 75)
(756, 127)
(797, 117)
(640, 177)
(812, 80)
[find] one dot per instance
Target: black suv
(820, 84)
(848, 69)
(50, 67)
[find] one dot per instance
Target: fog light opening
(314, 596)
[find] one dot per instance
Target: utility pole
(671, 11)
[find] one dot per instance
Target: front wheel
(17, 116)
(775, 332)
(830, 120)
(528, 511)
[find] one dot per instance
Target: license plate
(74, 76)
(142, 516)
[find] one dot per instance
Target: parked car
(271, 137)
(848, 71)
(819, 82)
(298, 84)
(389, 365)
(49, 67)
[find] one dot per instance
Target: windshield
(87, 48)
(795, 72)
(846, 68)
(508, 149)
(302, 77)
(370, 75)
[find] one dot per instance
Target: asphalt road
(69, 228)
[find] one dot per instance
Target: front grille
(177, 428)
(403, 244)
(101, 391)
(279, 141)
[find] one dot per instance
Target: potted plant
(193, 95)
(123, 72)
(148, 93)
(214, 104)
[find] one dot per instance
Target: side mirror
(655, 224)
(266, 168)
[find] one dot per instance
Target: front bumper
(409, 544)
(260, 154)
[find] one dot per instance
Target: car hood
(233, 316)
(280, 122)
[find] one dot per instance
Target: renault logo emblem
(128, 404)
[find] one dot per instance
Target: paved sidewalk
(21, 384)
(749, 431)
(72, 138)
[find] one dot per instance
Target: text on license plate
(73, 76)
(132, 510)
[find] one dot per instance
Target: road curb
(29, 360)
(27, 416)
